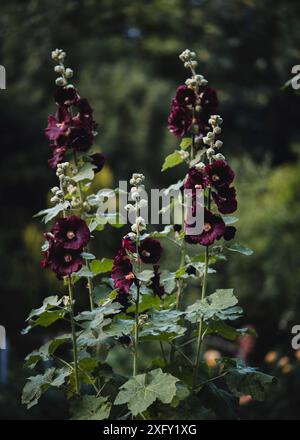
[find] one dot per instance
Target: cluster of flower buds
(136, 195)
(64, 72)
(189, 59)
(215, 122)
(58, 195)
(61, 172)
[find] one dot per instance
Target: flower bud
(54, 199)
(218, 144)
(54, 189)
(60, 81)
(59, 69)
(200, 166)
(210, 152)
(219, 156)
(184, 154)
(59, 194)
(69, 73)
(217, 130)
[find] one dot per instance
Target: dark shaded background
(125, 58)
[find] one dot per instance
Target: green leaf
(84, 272)
(229, 219)
(172, 160)
(141, 391)
(145, 275)
(39, 384)
(162, 325)
(244, 380)
(185, 143)
(91, 408)
(88, 256)
(236, 247)
(226, 331)
(101, 266)
(168, 280)
(86, 172)
(148, 301)
(46, 315)
(219, 305)
(50, 213)
(45, 352)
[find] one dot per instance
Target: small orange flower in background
(271, 357)
(297, 355)
(244, 400)
(287, 369)
(211, 356)
(285, 360)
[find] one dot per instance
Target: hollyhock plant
(71, 232)
(138, 300)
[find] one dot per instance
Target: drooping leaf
(244, 380)
(45, 352)
(46, 315)
(145, 275)
(141, 391)
(162, 325)
(90, 408)
(172, 160)
(49, 213)
(237, 247)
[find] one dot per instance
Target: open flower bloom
(225, 199)
(185, 96)
(59, 125)
(219, 174)
(195, 179)
(179, 120)
(71, 232)
(62, 261)
(150, 250)
(122, 272)
(213, 229)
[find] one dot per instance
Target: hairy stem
(136, 325)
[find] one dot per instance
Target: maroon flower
(71, 232)
(179, 120)
(128, 244)
(150, 250)
(62, 261)
(122, 273)
(80, 138)
(213, 229)
(155, 285)
(209, 102)
(58, 156)
(185, 96)
(225, 199)
(229, 233)
(58, 125)
(98, 160)
(219, 173)
(195, 179)
(66, 96)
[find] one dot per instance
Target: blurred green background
(125, 58)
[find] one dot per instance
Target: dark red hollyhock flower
(185, 96)
(229, 233)
(80, 138)
(195, 179)
(62, 261)
(209, 102)
(219, 173)
(155, 285)
(58, 156)
(213, 229)
(58, 125)
(71, 232)
(225, 199)
(122, 273)
(85, 114)
(98, 160)
(179, 120)
(129, 245)
(66, 96)
(150, 250)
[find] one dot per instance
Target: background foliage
(124, 54)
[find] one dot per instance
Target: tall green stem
(136, 325)
(75, 356)
(89, 281)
